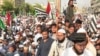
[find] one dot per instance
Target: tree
(24, 9)
(7, 5)
(29, 9)
(16, 10)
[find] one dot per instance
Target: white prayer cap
(81, 30)
(93, 40)
(21, 45)
(2, 37)
(4, 32)
(11, 42)
(98, 25)
(37, 36)
(16, 55)
(24, 34)
(49, 23)
(30, 33)
(16, 37)
(27, 30)
(26, 42)
(62, 31)
(34, 43)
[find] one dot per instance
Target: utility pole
(58, 6)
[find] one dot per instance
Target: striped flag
(92, 25)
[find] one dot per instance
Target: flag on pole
(8, 18)
(2, 25)
(48, 9)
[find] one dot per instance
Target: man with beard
(60, 44)
(79, 48)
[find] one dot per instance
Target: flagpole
(58, 9)
(58, 5)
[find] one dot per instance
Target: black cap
(30, 36)
(78, 37)
(66, 20)
(78, 21)
(99, 37)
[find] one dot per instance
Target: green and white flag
(2, 25)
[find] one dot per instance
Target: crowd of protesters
(30, 36)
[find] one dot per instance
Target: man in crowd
(78, 24)
(11, 50)
(45, 44)
(2, 49)
(90, 46)
(79, 48)
(71, 29)
(60, 44)
(67, 23)
(70, 11)
(38, 32)
(53, 31)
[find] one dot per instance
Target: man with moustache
(60, 44)
(79, 47)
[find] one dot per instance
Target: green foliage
(7, 5)
(23, 9)
(38, 6)
(16, 10)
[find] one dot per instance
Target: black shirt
(44, 47)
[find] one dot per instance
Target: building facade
(95, 5)
(1, 2)
(19, 2)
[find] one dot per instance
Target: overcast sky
(80, 3)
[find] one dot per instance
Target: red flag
(8, 18)
(48, 8)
